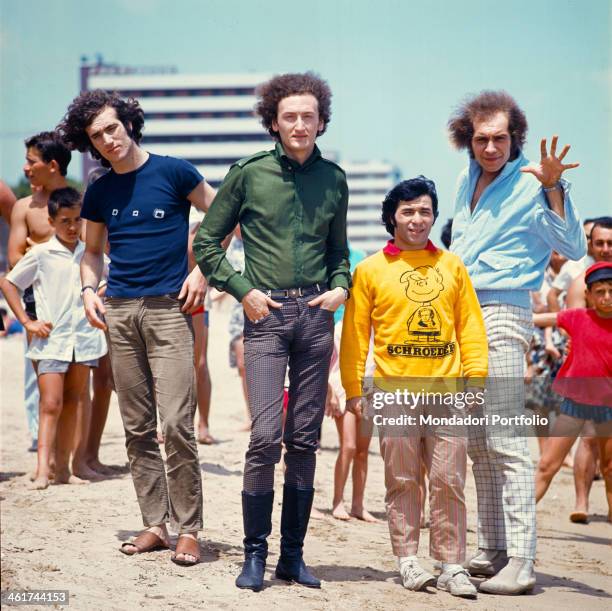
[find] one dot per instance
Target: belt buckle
(294, 293)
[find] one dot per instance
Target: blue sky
(396, 67)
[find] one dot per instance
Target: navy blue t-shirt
(146, 214)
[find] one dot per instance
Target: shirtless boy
(47, 159)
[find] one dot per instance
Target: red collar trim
(393, 250)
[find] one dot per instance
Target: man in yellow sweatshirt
(427, 323)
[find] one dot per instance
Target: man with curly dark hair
(142, 203)
(509, 216)
(291, 205)
(85, 108)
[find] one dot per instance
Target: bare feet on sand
(69, 478)
(39, 483)
(315, 514)
(33, 475)
(205, 438)
(339, 512)
(102, 469)
(84, 472)
(361, 513)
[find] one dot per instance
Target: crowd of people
(110, 287)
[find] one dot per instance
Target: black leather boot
(297, 503)
(257, 520)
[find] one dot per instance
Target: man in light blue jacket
(509, 216)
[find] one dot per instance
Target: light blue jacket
(507, 241)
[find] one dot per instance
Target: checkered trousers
(503, 470)
(301, 337)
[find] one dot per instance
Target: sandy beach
(67, 537)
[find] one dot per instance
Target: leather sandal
(146, 541)
(579, 517)
(187, 546)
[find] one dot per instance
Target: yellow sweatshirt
(425, 315)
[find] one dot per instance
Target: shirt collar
(394, 251)
(280, 154)
(55, 244)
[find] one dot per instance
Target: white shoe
(486, 562)
(415, 577)
(517, 577)
(457, 583)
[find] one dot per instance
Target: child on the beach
(584, 380)
(64, 344)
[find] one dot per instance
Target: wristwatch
(347, 293)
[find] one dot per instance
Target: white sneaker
(415, 577)
(457, 583)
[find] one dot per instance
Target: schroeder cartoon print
(423, 286)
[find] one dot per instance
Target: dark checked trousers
(302, 337)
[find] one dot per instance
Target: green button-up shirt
(293, 223)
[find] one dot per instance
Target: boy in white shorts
(64, 345)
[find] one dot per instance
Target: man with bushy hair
(291, 205)
(509, 217)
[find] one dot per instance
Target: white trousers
(503, 469)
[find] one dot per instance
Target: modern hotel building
(208, 120)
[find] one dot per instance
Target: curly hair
(86, 107)
(285, 85)
(404, 192)
(51, 148)
(483, 106)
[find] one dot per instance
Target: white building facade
(208, 120)
(369, 182)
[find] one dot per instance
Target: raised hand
(550, 168)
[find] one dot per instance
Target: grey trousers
(151, 351)
(302, 337)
